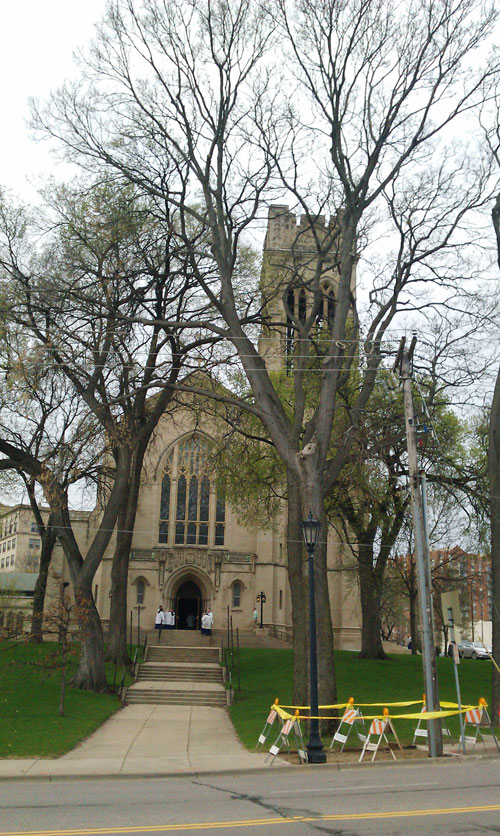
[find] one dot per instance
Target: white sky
(37, 40)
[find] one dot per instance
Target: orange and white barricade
(422, 731)
(349, 718)
(377, 729)
(480, 720)
(290, 726)
(271, 717)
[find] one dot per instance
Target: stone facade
(221, 564)
(189, 551)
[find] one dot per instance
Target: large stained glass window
(191, 499)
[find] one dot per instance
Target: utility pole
(404, 360)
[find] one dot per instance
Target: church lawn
(29, 704)
(267, 674)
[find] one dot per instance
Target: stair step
(175, 698)
(201, 654)
(172, 676)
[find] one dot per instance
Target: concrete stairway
(179, 676)
(192, 638)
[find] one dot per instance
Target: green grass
(267, 674)
(29, 703)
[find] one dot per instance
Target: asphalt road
(425, 798)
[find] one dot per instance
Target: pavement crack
(270, 807)
(135, 737)
(188, 740)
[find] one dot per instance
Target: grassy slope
(267, 674)
(29, 696)
(29, 703)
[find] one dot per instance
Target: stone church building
(189, 550)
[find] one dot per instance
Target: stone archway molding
(189, 573)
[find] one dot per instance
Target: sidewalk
(149, 740)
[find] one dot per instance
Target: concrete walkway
(149, 740)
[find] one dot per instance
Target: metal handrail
(120, 689)
(135, 662)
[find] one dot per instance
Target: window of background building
(236, 594)
(186, 488)
(140, 589)
(281, 599)
(3, 563)
(13, 542)
(34, 528)
(34, 544)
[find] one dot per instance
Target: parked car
(473, 650)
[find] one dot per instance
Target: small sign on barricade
(290, 726)
(349, 718)
(271, 717)
(480, 720)
(377, 729)
(422, 731)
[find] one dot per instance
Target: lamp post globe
(315, 751)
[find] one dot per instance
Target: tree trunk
(494, 480)
(91, 675)
(48, 538)
(299, 597)
(370, 593)
(116, 645)
(312, 499)
(327, 684)
(413, 595)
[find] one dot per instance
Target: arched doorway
(188, 606)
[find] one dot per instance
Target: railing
(231, 659)
(284, 634)
(120, 689)
(134, 663)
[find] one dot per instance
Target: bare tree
(77, 300)
(188, 89)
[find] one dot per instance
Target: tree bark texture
(298, 594)
(370, 594)
(90, 675)
(48, 539)
(413, 596)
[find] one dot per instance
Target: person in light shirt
(159, 618)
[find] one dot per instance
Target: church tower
(300, 259)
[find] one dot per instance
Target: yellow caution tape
(426, 715)
(452, 711)
(369, 704)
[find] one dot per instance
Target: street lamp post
(315, 751)
(262, 598)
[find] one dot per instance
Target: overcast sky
(37, 39)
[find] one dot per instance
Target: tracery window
(191, 497)
(236, 594)
(326, 312)
(140, 588)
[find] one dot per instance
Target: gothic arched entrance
(188, 601)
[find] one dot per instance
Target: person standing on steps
(255, 618)
(159, 618)
(205, 621)
(210, 620)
